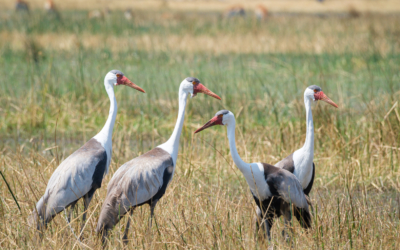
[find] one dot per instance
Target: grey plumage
(287, 163)
(21, 6)
(72, 180)
(142, 180)
(115, 71)
(192, 79)
(315, 87)
(286, 191)
(222, 112)
(285, 185)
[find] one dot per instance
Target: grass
(53, 100)
(298, 6)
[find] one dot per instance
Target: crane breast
(140, 179)
(76, 175)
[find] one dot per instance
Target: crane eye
(194, 83)
(220, 116)
(119, 75)
(315, 91)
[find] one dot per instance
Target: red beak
(125, 81)
(200, 88)
(321, 96)
(216, 120)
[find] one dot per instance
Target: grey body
(21, 6)
(285, 190)
(142, 180)
(288, 164)
(192, 79)
(285, 186)
(77, 176)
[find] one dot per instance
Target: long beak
(200, 88)
(210, 123)
(128, 82)
(328, 100)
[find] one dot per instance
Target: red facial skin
(123, 80)
(216, 120)
(200, 88)
(321, 96)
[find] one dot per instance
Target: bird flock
(280, 189)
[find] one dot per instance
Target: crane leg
(287, 214)
(86, 200)
(257, 221)
(71, 210)
(152, 206)
(104, 239)
(267, 227)
(125, 238)
(288, 225)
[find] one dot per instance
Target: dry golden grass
(305, 6)
(278, 35)
(208, 204)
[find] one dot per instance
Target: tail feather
(304, 217)
(108, 215)
(38, 215)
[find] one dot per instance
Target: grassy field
(301, 6)
(53, 100)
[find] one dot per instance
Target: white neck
(252, 172)
(104, 136)
(172, 145)
(243, 166)
(309, 143)
(303, 158)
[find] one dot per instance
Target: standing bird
(128, 14)
(49, 6)
(235, 10)
(300, 163)
(143, 180)
(261, 12)
(273, 189)
(21, 6)
(51, 9)
(81, 173)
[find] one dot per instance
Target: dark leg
(287, 214)
(86, 200)
(264, 221)
(125, 238)
(104, 238)
(152, 206)
(69, 215)
(267, 227)
(71, 210)
(268, 222)
(257, 221)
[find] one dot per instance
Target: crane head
(194, 86)
(222, 117)
(120, 79)
(315, 93)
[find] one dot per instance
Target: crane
(300, 163)
(79, 175)
(273, 189)
(21, 6)
(143, 180)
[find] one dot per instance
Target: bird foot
(286, 236)
(125, 240)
